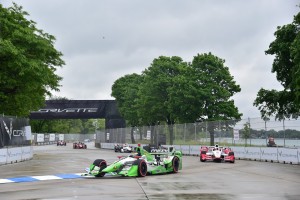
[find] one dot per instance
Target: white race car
(125, 148)
(216, 153)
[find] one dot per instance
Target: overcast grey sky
(103, 40)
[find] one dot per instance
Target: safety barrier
(16, 154)
(264, 154)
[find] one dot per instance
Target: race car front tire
(101, 164)
(175, 164)
(202, 160)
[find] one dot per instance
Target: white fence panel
(14, 155)
(252, 153)
(3, 156)
(288, 155)
(269, 154)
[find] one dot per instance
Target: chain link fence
(246, 132)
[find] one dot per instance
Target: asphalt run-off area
(55, 173)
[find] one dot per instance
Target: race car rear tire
(142, 167)
(102, 164)
(175, 164)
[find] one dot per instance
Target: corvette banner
(81, 109)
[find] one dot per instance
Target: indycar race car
(217, 154)
(123, 148)
(79, 145)
(61, 143)
(139, 164)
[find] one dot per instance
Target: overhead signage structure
(81, 109)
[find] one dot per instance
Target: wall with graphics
(14, 132)
(15, 140)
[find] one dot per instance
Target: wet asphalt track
(242, 180)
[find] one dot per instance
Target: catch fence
(246, 132)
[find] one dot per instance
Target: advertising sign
(52, 137)
(61, 137)
(40, 138)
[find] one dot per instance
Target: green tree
(155, 103)
(125, 90)
(171, 90)
(28, 62)
(215, 88)
(286, 48)
(246, 132)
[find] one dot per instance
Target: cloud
(104, 40)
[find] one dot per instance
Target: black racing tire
(175, 164)
(231, 153)
(142, 167)
(202, 160)
(102, 164)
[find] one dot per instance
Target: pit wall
(264, 154)
(15, 155)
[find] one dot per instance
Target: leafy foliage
(156, 90)
(28, 63)
(246, 132)
(82, 126)
(171, 90)
(286, 65)
(216, 87)
(125, 90)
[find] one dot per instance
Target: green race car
(158, 161)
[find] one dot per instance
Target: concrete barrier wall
(265, 154)
(14, 155)
(281, 155)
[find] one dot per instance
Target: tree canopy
(216, 87)
(286, 48)
(125, 90)
(28, 62)
(173, 91)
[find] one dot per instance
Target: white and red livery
(217, 154)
